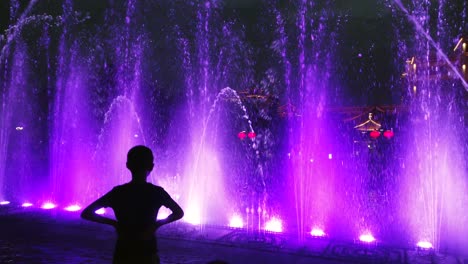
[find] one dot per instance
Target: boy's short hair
(139, 157)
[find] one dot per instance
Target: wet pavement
(54, 236)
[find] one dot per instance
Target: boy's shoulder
(148, 186)
(156, 187)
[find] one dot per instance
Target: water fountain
(78, 90)
(434, 170)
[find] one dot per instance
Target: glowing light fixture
(163, 213)
(464, 67)
(251, 134)
(100, 211)
(48, 205)
(19, 128)
(317, 232)
(72, 208)
(26, 204)
(368, 238)
(4, 202)
(424, 244)
(236, 222)
(414, 88)
(330, 156)
(274, 225)
(194, 220)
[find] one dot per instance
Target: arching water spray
(205, 170)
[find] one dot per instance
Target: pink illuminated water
(424, 244)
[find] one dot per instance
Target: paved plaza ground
(37, 236)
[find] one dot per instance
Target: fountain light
(26, 204)
(251, 135)
(163, 213)
(193, 216)
(236, 222)
(330, 156)
(72, 208)
(317, 232)
(274, 225)
(424, 244)
(100, 211)
(19, 128)
(48, 205)
(4, 202)
(193, 219)
(368, 238)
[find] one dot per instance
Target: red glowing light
(388, 134)
(242, 134)
(252, 134)
(374, 134)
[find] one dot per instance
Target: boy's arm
(177, 212)
(89, 213)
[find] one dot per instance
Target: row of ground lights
(273, 225)
(50, 205)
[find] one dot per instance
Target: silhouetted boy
(136, 205)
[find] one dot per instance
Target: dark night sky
(367, 31)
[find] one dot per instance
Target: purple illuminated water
(434, 169)
(78, 90)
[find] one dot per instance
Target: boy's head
(140, 159)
